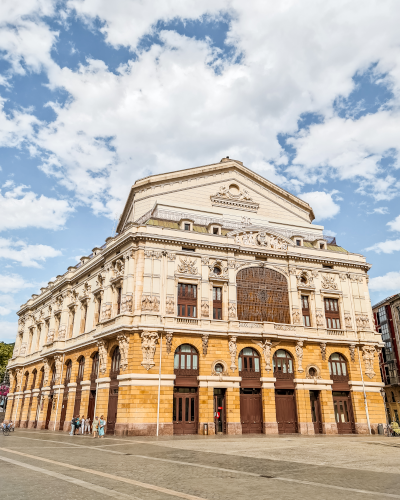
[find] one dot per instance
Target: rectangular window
(215, 230)
(119, 295)
(305, 306)
(332, 314)
(187, 227)
(187, 300)
(298, 243)
(217, 302)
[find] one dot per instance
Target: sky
(97, 94)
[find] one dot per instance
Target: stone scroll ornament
(368, 356)
(149, 342)
(46, 372)
(58, 366)
(102, 345)
(168, 340)
(299, 354)
(204, 340)
(123, 342)
(232, 352)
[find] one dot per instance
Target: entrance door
(49, 408)
(185, 410)
(112, 410)
(286, 414)
(219, 411)
(251, 411)
(63, 411)
(343, 412)
(92, 401)
(316, 411)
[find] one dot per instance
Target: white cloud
(380, 210)
(26, 255)
(322, 203)
(13, 283)
(388, 282)
(8, 331)
(394, 224)
(21, 208)
(388, 246)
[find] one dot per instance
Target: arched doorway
(93, 376)
(262, 295)
(285, 399)
(113, 397)
(185, 404)
(342, 404)
(250, 391)
(67, 380)
(79, 378)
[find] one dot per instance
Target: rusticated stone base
(67, 427)
(129, 429)
(24, 424)
(211, 428)
(329, 428)
(363, 428)
(270, 427)
(40, 425)
(31, 424)
(233, 428)
(306, 428)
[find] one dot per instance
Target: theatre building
(218, 307)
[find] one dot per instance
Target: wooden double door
(344, 415)
(286, 414)
(185, 410)
(316, 411)
(251, 411)
(112, 408)
(63, 409)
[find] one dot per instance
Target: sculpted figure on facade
(102, 345)
(296, 316)
(119, 267)
(18, 374)
(205, 261)
(232, 310)
(218, 269)
(347, 320)
(106, 311)
(368, 356)
(362, 321)
(168, 341)
(299, 354)
(328, 282)
(204, 340)
(22, 351)
(149, 342)
(323, 350)
(232, 352)
(62, 332)
(266, 347)
(126, 304)
(58, 362)
(123, 342)
(150, 303)
(46, 372)
(320, 318)
(187, 266)
(352, 349)
(170, 305)
(205, 309)
(50, 336)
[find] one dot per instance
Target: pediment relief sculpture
(234, 196)
(328, 282)
(261, 239)
(187, 266)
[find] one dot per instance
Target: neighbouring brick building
(387, 321)
(260, 323)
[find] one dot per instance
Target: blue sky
(95, 95)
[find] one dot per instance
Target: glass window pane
(180, 410)
(186, 348)
(339, 370)
(247, 351)
(194, 361)
(174, 410)
(336, 412)
(344, 370)
(240, 363)
(192, 409)
(346, 413)
(334, 368)
(256, 364)
(188, 361)
(214, 293)
(183, 362)
(187, 410)
(290, 366)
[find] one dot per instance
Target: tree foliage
(6, 351)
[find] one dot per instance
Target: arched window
(53, 376)
(262, 295)
(393, 398)
(249, 361)
(186, 360)
(68, 372)
(95, 367)
(115, 362)
(81, 369)
(283, 364)
(338, 368)
(41, 377)
(26, 381)
(34, 373)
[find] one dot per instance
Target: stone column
(25, 408)
(9, 409)
(232, 402)
(43, 410)
(85, 397)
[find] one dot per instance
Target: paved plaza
(37, 464)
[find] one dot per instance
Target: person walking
(87, 425)
(73, 422)
(102, 424)
(77, 423)
(83, 424)
(95, 426)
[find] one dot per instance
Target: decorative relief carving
(352, 349)
(261, 239)
(219, 374)
(296, 316)
(106, 311)
(292, 270)
(149, 342)
(235, 197)
(232, 352)
(266, 347)
(22, 351)
(126, 304)
(205, 309)
(168, 340)
(171, 256)
(169, 305)
(342, 277)
(305, 278)
(299, 354)
(150, 303)
(204, 340)
(86, 290)
(250, 325)
(148, 253)
(323, 350)
(187, 266)
(221, 272)
(232, 310)
(320, 318)
(231, 264)
(347, 320)
(356, 278)
(312, 371)
(50, 336)
(102, 345)
(18, 374)
(58, 361)
(362, 322)
(286, 328)
(368, 356)
(205, 261)
(328, 282)
(46, 372)
(62, 332)
(123, 341)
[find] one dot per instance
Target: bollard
(380, 429)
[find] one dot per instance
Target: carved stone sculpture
(169, 305)
(62, 332)
(232, 352)
(328, 282)
(347, 320)
(106, 311)
(149, 342)
(205, 261)
(187, 266)
(22, 351)
(102, 345)
(299, 354)
(362, 321)
(126, 304)
(320, 318)
(323, 350)
(58, 361)
(46, 372)
(205, 309)
(18, 374)
(168, 340)
(204, 340)
(123, 341)
(150, 303)
(368, 356)
(266, 347)
(352, 349)
(296, 316)
(232, 310)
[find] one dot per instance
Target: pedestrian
(83, 424)
(73, 422)
(102, 424)
(87, 425)
(77, 423)
(95, 426)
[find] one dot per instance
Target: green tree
(6, 351)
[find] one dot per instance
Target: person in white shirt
(87, 425)
(83, 424)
